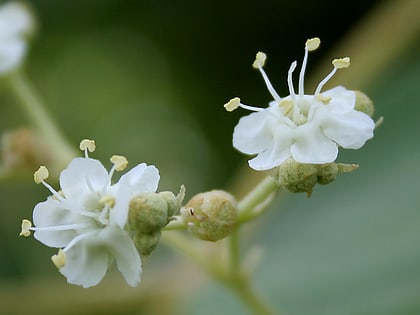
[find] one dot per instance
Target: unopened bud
(298, 177)
(148, 212)
(174, 202)
(146, 242)
(210, 216)
(364, 104)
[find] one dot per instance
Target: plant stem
(35, 110)
(253, 204)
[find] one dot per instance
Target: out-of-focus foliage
(148, 79)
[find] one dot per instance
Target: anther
(26, 228)
(233, 104)
(59, 260)
(341, 63)
(322, 98)
(313, 43)
(41, 174)
(259, 60)
(87, 144)
(120, 162)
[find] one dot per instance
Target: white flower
(308, 128)
(86, 219)
(16, 22)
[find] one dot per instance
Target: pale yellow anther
(119, 161)
(232, 104)
(322, 98)
(313, 43)
(259, 60)
(41, 174)
(87, 144)
(26, 228)
(287, 105)
(59, 260)
(341, 62)
(108, 200)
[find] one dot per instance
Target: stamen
(322, 98)
(79, 238)
(233, 104)
(59, 260)
(258, 64)
(41, 174)
(236, 102)
(260, 59)
(312, 43)
(25, 228)
(290, 80)
(120, 162)
(64, 227)
(87, 145)
(108, 201)
(338, 64)
(341, 63)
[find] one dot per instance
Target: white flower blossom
(86, 219)
(16, 22)
(308, 128)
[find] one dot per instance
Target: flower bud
(210, 216)
(364, 104)
(296, 177)
(146, 242)
(148, 212)
(174, 202)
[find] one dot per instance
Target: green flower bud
(148, 212)
(210, 216)
(327, 173)
(174, 202)
(146, 242)
(364, 104)
(296, 177)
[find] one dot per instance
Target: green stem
(254, 204)
(35, 110)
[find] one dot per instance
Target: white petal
(83, 177)
(341, 98)
(127, 258)
(49, 214)
(312, 146)
(142, 178)
(86, 262)
(277, 153)
(252, 135)
(350, 130)
(11, 54)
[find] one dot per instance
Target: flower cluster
(16, 22)
(87, 218)
(307, 128)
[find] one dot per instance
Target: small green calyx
(148, 214)
(364, 104)
(297, 177)
(210, 216)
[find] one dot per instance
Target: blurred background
(148, 79)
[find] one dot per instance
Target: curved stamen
(338, 64)
(79, 238)
(270, 87)
(87, 145)
(290, 80)
(302, 72)
(325, 80)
